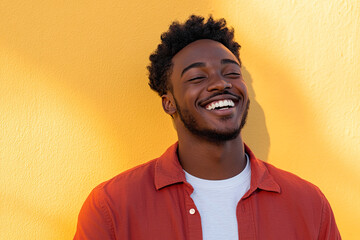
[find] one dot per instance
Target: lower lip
(223, 112)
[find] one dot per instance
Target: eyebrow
(226, 61)
(194, 65)
(202, 64)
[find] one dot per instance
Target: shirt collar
(260, 175)
(168, 171)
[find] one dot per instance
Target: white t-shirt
(216, 201)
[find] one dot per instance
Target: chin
(216, 135)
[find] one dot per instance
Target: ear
(168, 103)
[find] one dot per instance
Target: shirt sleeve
(328, 228)
(94, 221)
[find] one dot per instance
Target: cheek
(242, 88)
(191, 96)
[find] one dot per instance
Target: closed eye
(233, 73)
(196, 79)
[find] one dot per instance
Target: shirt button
(192, 211)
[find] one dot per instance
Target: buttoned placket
(192, 214)
(245, 218)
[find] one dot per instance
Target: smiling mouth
(220, 104)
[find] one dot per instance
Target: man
(208, 185)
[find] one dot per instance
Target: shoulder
(295, 186)
(306, 200)
(127, 181)
(120, 192)
(109, 201)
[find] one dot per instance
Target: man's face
(210, 95)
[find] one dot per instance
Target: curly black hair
(180, 35)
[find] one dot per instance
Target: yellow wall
(75, 108)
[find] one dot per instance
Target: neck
(211, 160)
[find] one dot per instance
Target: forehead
(204, 50)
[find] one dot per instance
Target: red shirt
(152, 201)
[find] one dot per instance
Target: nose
(218, 83)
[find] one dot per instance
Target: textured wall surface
(75, 108)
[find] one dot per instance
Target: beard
(212, 135)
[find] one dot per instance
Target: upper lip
(219, 96)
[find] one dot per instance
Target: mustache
(221, 93)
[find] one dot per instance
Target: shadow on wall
(255, 132)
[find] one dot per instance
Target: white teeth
(221, 103)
